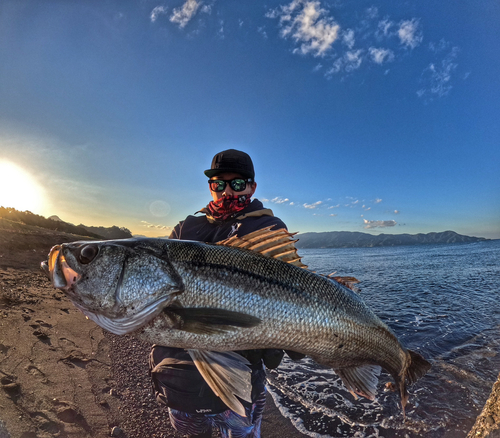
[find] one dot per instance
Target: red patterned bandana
(227, 206)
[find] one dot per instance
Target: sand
(63, 376)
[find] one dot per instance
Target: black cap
(231, 161)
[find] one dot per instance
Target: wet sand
(63, 376)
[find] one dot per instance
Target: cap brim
(214, 172)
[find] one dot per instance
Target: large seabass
(245, 293)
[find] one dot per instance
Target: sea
(442, 301)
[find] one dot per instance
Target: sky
(370, 116)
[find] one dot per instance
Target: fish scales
(217, 298)
(291, 300)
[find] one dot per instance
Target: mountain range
(352, 239)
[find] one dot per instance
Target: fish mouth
(64, 277)
(58, 271)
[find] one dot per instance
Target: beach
(62, 376)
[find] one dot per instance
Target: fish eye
(88, 253)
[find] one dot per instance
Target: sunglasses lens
(238, 184)
(217, 185)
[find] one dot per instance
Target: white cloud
(333, 215)
(372, 12)
(384, 28)
(184, 14)
(308, 24)
(351, 61)
(409, 33)
(314, 205)
(396, 211)
(279, 200)
(334, 206)
(378, 201)
(159, 10)
(150, 225)
(437, 76)
(348, 38)
(439, 47)
(262, 31)
(378, 224)
(379, 55)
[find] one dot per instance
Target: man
(194, 409)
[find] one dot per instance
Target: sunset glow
(18, 189)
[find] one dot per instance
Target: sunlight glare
(18, 189)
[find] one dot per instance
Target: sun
(18, 189)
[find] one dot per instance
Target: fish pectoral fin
(209, 321)
(228, 376)
(361, 380)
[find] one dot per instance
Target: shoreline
(63, 376)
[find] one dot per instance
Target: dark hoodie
(184, 389)
(207, 229)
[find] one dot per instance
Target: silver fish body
(211, 297)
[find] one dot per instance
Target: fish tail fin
(417, 367)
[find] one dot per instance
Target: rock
(116, 431)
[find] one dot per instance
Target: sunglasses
(237, 184)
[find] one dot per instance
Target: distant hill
(56, 224)
(113, 232)
(350, 239)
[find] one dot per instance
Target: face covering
(227, 206)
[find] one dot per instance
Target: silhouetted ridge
(56, 224)
(354, 239)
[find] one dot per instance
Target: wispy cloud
(350, 61)
(185, 13)
(378, 201)
(437, 76)
(409, 33)
(150, 225)
(380, 55)
(378, 224)
(348, 38)
(156, 12)
(308, 24)
(279, 200)
(314, 205)
(384, 28)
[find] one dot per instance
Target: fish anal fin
(361, 380)
(209, 321)
(277, 244)
(228, 376)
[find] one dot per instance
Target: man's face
(228, 191)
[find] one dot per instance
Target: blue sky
(372, 116)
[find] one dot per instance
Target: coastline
(61, 375)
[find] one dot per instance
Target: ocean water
(442, 301)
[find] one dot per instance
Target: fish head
(120, 284)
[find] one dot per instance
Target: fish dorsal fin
(227, 374)
(277, 244)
